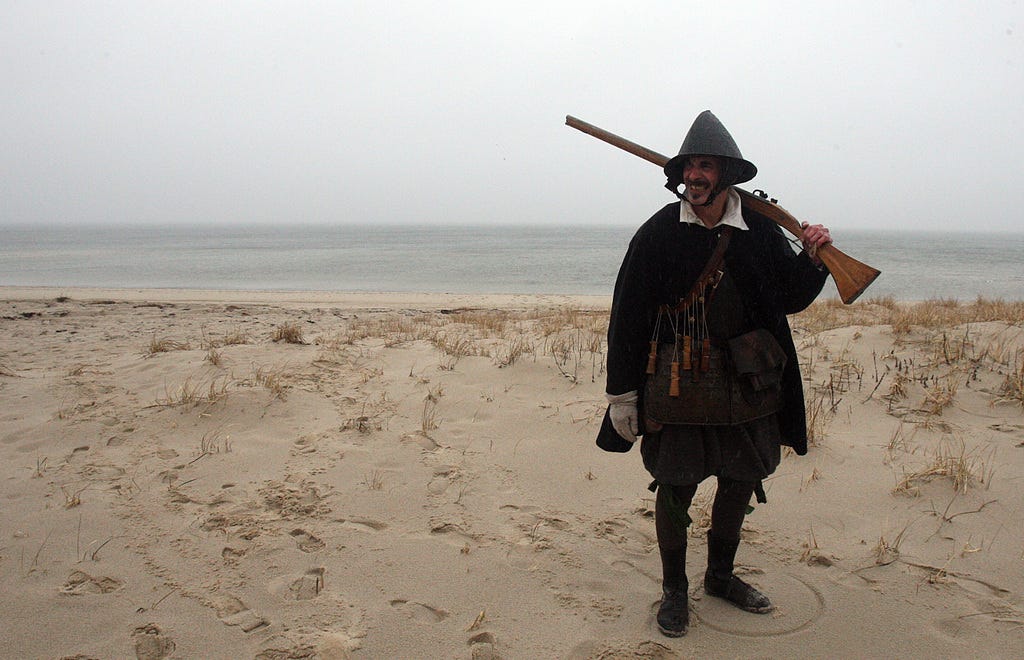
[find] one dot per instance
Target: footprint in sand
(624, 566)
(309, 585)
(304, 445)
(444, 476)
(77, 454)
(304, 587)
(79, 583)
(102, 472)
(307, 542)
(422, 439)
(151, 643)
(481, 646)
(234, 612)
(362, 524)
(419, 611)
(632, 541)
(524, 509)
(593, 648)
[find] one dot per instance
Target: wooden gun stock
(851, 276)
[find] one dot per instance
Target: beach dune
(202, 474)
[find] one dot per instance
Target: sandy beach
(272, 475)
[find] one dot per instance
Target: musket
(851, 276)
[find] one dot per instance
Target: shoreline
(391, 300)
(334, 299)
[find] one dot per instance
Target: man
(758, 281)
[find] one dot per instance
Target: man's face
(701, 175)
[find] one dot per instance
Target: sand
(415, 476)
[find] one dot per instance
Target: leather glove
(623, 413)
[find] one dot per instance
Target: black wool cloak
(666, 256)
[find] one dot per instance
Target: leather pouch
(758, 361)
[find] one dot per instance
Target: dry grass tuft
(214, 356)
(885, 302)
(491, 322)
(576, 349)
(814, 476)
(214, 442)
(72, 498)
(574, 338)
(940, 395)
(164, 345)
(1012, 389)
(904, 317)
(885, 552)
(514, 348)
(372, 417)
(365, 424)
(393, 329)
(453, 347)
(270, 379)
(897, 443)
(428, 419)
(186, 394)
(353, 332)
(950, 461)
(953, 351)
(819, 414)
(290, 333)
(897, 388)
(191, 393)
(812, 554)
(374, 480)
(236, 337)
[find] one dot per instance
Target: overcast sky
(869, 114)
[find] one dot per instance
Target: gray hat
(708, 137)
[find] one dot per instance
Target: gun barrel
(852, 277)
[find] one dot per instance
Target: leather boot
(721, 583)
(674, 611)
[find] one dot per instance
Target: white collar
(733, 215)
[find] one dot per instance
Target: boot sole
(672, 633)
(754, 610)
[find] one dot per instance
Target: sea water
(453, 259)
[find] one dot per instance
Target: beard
(698, 189)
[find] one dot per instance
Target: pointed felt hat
(708, 137)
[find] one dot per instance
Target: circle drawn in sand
(798, 605)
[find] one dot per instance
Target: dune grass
(290, 333)
(193, 393)
(951, 461)
(1012, 390)
(164, 345)
(268, 378)
(931, 314)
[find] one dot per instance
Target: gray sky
(870, 114)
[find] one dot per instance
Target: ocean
(453, 259)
